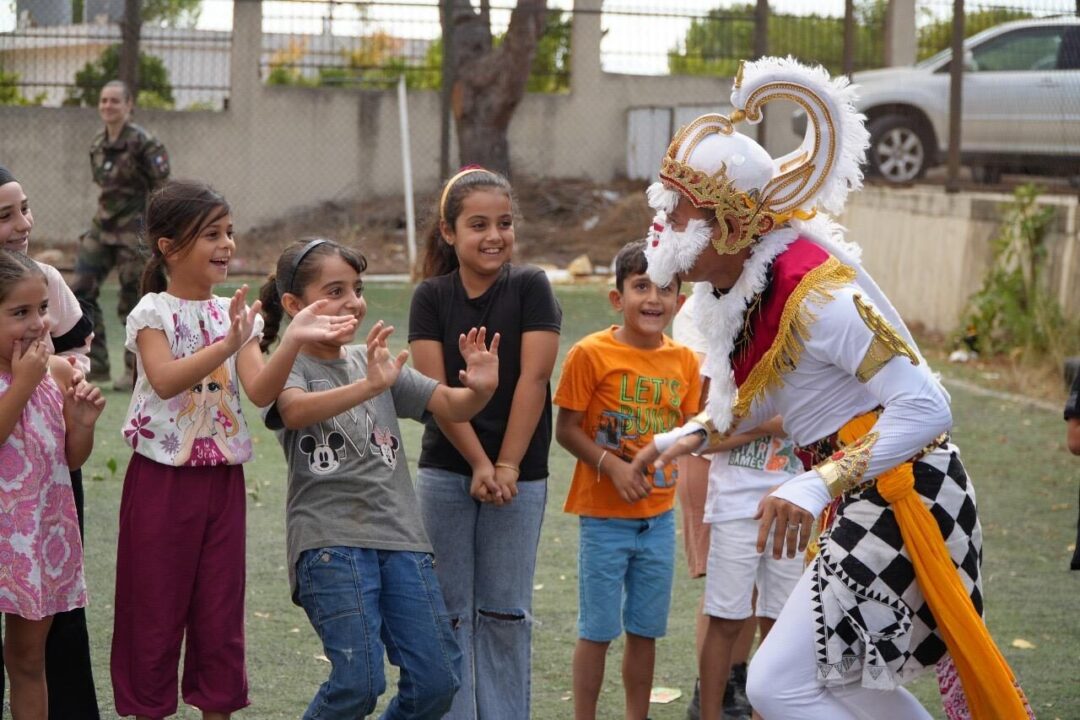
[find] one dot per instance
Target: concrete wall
(929, 251)
(278, 149)
(281, 148)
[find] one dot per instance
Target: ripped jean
(486, 557)
(363, 602)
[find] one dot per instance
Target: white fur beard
(669, 252)
(661, 198)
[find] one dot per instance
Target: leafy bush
(155, 91)
(10, 93)
(1013, 312)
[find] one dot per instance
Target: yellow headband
(450, 184)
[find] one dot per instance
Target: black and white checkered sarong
(871, 620)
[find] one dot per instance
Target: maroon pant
(180, 570)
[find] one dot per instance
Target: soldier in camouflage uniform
(128, 163)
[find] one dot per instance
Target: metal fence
(934, 18)
(48, 57)
(53, 59)
(365, 44)
(694, 39)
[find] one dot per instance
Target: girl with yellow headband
(482, 484)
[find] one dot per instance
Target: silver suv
(1021, 105)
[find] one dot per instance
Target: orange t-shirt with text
(627, 394)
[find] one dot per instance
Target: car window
(1069, 55)
(1027, 49)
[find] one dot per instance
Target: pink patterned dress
(41, 557)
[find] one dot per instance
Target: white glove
(665, 440)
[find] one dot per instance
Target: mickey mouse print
(352, 431)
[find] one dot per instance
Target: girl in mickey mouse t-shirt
(360, 563)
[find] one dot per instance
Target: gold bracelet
(508, 466)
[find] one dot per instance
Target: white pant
(782, 681)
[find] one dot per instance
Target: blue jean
(486, 560)
(625, 571)
(361, 601)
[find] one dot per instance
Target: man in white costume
(797, 328)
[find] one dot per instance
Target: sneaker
(693, 710)
(736, 704)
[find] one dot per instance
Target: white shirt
(740, 477)
(205, 424)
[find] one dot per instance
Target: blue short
(625, 572)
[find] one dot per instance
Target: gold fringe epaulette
(817, 286)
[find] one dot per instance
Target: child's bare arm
(631, 486)
(539, 348)
(169, 376)
(299, 409)
(263, 378)
(480, 379)
(428, 359)
(28, 367)
(83, 404)
(1073, 436)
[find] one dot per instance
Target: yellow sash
(991, 689)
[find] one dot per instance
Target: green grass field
(1027, 485)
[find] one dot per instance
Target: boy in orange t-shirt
(620, 386)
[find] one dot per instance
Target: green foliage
(1013, 312)
(936, 34)
(551, 65)
(283, 75)
(155, 91)
(376, 63)
(172, 13)
(715, 45)
(10, 93)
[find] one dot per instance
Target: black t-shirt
(1072, 405)
(520, 301)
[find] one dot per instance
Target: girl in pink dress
(47, 416)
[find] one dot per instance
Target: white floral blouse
(203, 425)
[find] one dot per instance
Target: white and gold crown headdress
(751, 193)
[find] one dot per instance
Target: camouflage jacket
(127, 170)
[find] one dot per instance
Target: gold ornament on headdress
(800, 178)
(742, 217)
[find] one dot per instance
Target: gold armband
(886, 345)
(844, 470)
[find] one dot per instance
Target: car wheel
(898, 150)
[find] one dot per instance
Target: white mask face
(669, 252)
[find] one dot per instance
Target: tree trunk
(489, 82)
(130, 30)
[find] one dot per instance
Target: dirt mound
(558, 220)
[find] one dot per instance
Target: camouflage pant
(99, 253)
